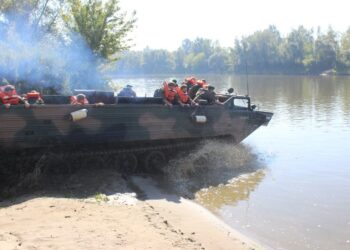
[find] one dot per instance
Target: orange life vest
(190, 80)
(193, 80)
(9, 97)
(184, 98)
(74, 100)
(33, 95)
(201, 83)
(169, 94)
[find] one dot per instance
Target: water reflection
(238, 189)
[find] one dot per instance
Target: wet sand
(117, 220)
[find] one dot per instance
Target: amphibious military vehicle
(123, 132)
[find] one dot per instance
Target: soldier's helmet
(9, 88)
(80, 97)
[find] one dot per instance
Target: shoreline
(157, 220)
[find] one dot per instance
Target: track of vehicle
(24, 169)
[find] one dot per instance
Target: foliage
(302, 51)
(325, 51)
(344, 51)
(43, 13)
(102, 24)
(155, 61)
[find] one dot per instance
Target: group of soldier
(9, 96)
(190, 93)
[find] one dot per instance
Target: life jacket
(74, 100)
(184, 98)
(169, 94)
(201, 83)
(33, 96)
(190, 80)
(9, 96)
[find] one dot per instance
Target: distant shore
(169, 75)
(116, 220)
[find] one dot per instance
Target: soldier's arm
(178, 100)
(166, 102)
(193, 103)
(24, 101)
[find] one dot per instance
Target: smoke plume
(30, 57)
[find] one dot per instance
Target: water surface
(301, 198)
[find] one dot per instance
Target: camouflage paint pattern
(42, 126)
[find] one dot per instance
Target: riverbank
(112, 219)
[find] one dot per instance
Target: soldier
(9, 96)
(169, 93)
(209, 95)
(79, 99)
(127, 91)
(230, 91)
(184, 99)
(193, 91)
(190, 82)
(202, 82)
(34, 97)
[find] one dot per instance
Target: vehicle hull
(51, 125)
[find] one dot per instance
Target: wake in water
(212, 164)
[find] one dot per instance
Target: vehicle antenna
(246, 69)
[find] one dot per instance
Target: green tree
(43, 13)
(344, 51)
(18, 6)
(102, 24)
(186, 46)
(132, 63)
(219, 61)
(199, 63)
(326, 50)
(201, 45)
(261, 52)
(179, 57)
(158, 61)
(298, 49)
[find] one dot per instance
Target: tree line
(302, 51)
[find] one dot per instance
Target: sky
(163, 24)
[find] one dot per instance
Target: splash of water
(212, 164)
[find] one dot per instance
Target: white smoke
(34, 57)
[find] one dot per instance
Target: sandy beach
(114, 218)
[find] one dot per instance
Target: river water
(300, 196)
